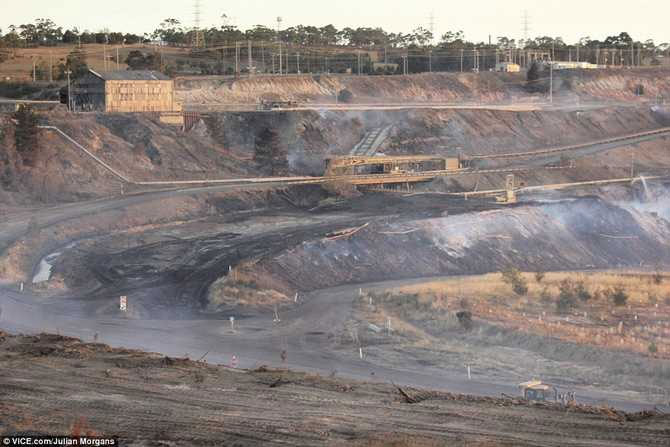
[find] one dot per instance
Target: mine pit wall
(586, 233)
(221, 145)
(607, 84)
(323, 88)
(310, 136)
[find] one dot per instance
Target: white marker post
(295, 299)
(232, 323)
(21, 287)
(469, 375)
(123, 303)
(360, 353)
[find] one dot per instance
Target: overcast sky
(570, 19)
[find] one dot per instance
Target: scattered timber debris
(345, 233)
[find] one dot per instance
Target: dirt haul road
(56, 384)
(304, 333)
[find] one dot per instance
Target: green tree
(170, 31)
(26, 133)
(137, 60)
(567, 296)
(533, 73)
(513, 277)
(618, 296)
(269, 153)
(76, 63)
(582, 292)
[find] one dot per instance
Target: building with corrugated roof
(125, 91)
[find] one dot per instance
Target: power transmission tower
(526, 25)
(431, 26)
(198, 35)
(279, 20)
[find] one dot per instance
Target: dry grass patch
(617, 310)
(247, 286)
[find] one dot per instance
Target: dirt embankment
(137, 145)
(612, 84)
(133, 217)
(649, 84)
(310, 137)
(488, 132)
(53, 384)
(221, 145)
(442, 87)
(573, 234)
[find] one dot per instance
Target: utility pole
(553, 49)
(51, 66)
(117, 59)
(578, 45)
(237, 58)
(279, 20)
(430, 60)
(104, 56)
(297, 62)
(359, 62)
(461, 60)
(250, 62)
(551, 81)
(69, 95)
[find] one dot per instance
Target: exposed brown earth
(55, 384)
(611, 84)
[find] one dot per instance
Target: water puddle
(46, 264)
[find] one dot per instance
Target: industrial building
(571, 65)
(125, 91)
(508, 67)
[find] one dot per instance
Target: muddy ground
(54, 384)
(248, 262)
(168, 269)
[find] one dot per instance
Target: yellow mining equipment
(535, 390)
(383, 165)
(510, 191)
